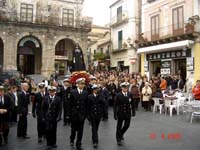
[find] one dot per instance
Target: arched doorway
(29, 55)
(63, 52)
(1, 56)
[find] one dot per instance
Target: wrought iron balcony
(174, 30)
(117, 20)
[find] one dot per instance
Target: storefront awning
(165, 47)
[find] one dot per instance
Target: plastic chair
(179, 104)
(157, 104)
(195, 113)
(170, 106)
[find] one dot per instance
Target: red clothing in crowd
(196, 92)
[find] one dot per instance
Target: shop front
(168, 61)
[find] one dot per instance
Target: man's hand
(115, 117)
(34, 116)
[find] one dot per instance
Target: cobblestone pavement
(147, 131)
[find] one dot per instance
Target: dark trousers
(137, 101)
(22, 126)
(41, 127)
(146, 105)
(105, 108)
(77, 127)
(51, 133)
(4, 131)
(122, 127)
(66, 114)
(95, 126)
(14, 115)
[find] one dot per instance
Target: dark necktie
(80, 91)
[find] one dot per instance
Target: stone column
(48, 57)
(10, 52)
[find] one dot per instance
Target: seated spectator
(196, 90)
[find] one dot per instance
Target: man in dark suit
(52, 109)
(23, 102)
(65, 96)
(95, 112)
(78, 112)
(105, 94)
(5, 108)
(123, 110)
(37, 110)
(14, 94)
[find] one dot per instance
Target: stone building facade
(125, 28)
(38, 36)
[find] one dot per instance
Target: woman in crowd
(146, 92)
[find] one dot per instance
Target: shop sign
(165, 67)
(165, 71)
(169, 55)
(166, 64)
(190, 64)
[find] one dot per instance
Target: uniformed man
(112, 88)
(37, 110)
(65, 96)
(5, 108)
(93, 80)
(123, 110)
(23, 102)
(78, 112)
(52, 106)
(95, 112)
(105, 94)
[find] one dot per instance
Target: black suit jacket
(95, 106)
(6, 105)
(52, 110)
(23, 102)
(78, 105)
(105, 93)
(64, 93)
(124, 106)
(37, 103)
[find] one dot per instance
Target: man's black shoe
(122, 138)
(48, 147)
(39, 140)
(119, 143)
(95, 145)
(54, 146)
(71, 143)
(79, 148)
(26, 137)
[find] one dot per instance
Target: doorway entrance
(29, 56)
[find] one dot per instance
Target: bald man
(23, 102)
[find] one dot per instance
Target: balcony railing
(168, 31)
(116, 21)
(83, 23)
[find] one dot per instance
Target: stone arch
(29, 55)
(63, 55)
